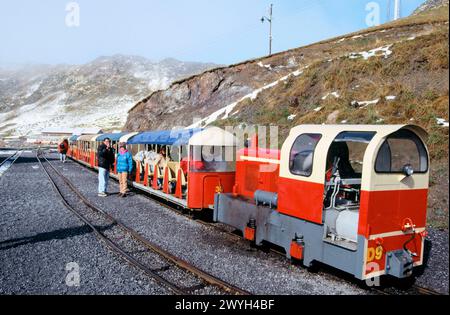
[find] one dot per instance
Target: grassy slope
(416, 73)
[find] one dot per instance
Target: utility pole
(397, 10)
(269, 19)
(388, 10)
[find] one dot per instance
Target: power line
(388, 18)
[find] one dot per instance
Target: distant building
(14, 139)
(53, 135)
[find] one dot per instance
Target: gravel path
(39, 237)
(227, 257)
(435, 275)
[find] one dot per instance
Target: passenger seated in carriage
(161, 161)
(144, 157)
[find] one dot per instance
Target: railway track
(9, 161)
(160, 265)
(413, 290)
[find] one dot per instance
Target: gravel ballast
(40, 238)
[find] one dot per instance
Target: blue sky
(219, 31)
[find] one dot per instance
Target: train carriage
(190, 179)
(72, 146)
(86, 149)
(350, 196)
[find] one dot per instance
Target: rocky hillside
(394, 73)
(431, 5)
(98, 93)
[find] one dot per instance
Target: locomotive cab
(342, 193)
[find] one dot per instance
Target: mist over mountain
(98, 93)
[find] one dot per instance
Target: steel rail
(10, 157)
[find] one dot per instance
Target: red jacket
(63, 147)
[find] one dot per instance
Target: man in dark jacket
(105, 154)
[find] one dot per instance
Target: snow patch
(412, 38)
(442, 122)
(384, 51)
(363, 104)
(32, 89)
(391, 98)
(264, 66)
(357, 36)
(318, 109)
(291, 117)
(335, 94)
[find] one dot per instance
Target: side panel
(252, 176)
(376, 252)
(203, 186)
(281, 230)
(301, 199)
(385, 211)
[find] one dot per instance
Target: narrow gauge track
(413, 290)
(165, 268)
(11, 159)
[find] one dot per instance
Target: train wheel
(313, 267)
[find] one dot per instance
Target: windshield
(400, 149)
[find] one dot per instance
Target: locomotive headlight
(408, 170)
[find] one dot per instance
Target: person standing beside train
(63, 147)
(106, 161)
(124, 167)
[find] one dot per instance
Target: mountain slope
(431, 5)
(98, 93)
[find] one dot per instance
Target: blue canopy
(112, 136)
(165, 137)
(73, 138)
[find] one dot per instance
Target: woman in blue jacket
(124, 167)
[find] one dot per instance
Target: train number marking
(374, 253)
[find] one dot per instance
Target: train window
(346, 153)
(212, 159)
(302, 154)
(402, 148)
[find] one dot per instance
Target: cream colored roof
(213, 136)
(329, 134)
(88, 138)
(381, 130)
(128, 137)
